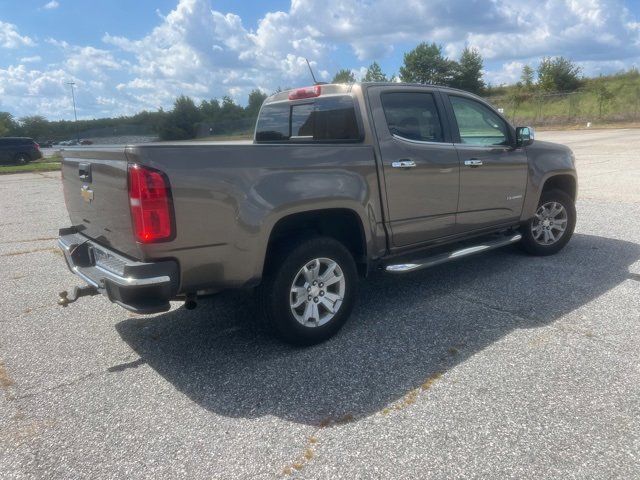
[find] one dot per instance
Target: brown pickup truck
(339, 180)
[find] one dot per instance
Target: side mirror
(524, 136)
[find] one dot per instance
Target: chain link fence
(240, 128)
(121, 134)
(580, 107)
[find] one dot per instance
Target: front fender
(546, 160)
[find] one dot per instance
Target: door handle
(473, 162)
(403, 164)
(84, 172)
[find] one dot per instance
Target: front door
(493, 174)
(420, 163)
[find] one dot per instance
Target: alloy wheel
(549, 223)
(317, 292)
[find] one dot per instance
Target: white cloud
(33, 59)
(51, 5)
(198, 51)
(509, 73)
(87, 59)
(195, 47)
(203, 53)
(34, 91)
(10, 38)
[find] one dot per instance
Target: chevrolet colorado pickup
(339, 180)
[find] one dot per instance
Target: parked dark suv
(19, 150)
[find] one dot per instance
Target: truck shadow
(404, 332)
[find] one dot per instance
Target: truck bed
(226, 196)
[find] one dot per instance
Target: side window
(273, 123)
(478, 124)
(412, 115)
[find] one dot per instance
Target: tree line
(180, 123)
(424, 64)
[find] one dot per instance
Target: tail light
(37, 145)
(151, 205)
(309, 92)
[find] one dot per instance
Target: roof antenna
(315, 82)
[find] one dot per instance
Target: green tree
(558, 74)
(256, 99)
(467, 73)
(8, 125)
(210, 110)
(35, 126)
(527, 76)
(181, 123)
(374, 74)
(343, 76)
(229, 110)
(426, 64)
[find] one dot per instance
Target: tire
(534, 239)
(22, 158)
(277, 298)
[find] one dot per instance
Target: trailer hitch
(65, 299)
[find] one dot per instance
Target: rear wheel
(22, 158)
(552, 226)
(309, 291)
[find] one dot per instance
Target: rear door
(493, 174)
(420, 163)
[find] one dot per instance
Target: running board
(453, 255)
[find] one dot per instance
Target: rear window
(329, 119)
(413, 116)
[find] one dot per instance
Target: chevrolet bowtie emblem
(87, 193)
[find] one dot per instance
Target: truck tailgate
(96, 195)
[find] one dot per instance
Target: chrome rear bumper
(141, 287)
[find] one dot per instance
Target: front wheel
(551, 227)
(309, 291)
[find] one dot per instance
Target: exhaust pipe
(190, 302)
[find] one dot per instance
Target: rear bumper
(137, 286)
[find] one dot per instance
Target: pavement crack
(70, 383)
(477, 301)
(309, 449)
(308, 454)
(411, 397)
(35, 250)
(30, 240)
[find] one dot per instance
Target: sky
(126, 56)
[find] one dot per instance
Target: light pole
(75, 115)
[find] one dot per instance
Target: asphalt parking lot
(500, 366)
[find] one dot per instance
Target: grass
(603, 102)
(49, 164)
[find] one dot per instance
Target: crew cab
(338, 181)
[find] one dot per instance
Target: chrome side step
(453, 255)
